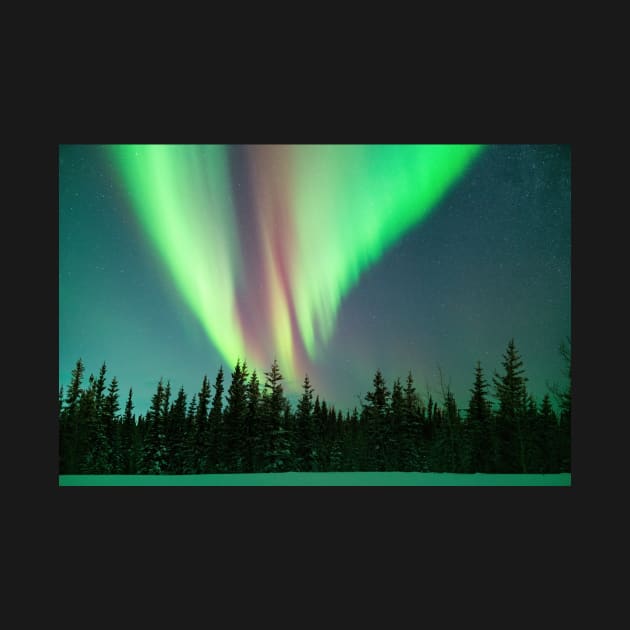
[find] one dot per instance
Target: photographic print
(315, 315)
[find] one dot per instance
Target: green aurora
(323, 215)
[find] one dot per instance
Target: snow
(319, 479)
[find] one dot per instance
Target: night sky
(174, 260)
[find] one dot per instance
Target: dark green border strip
(319, 479)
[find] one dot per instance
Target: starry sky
(336, 260)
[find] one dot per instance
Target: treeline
(256, 430)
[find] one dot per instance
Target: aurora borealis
(175, 259)
(320, 216)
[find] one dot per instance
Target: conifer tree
(99, 389)
(235, 421)
(254, 459)
(549, 444)
(93, 447)
(74, 389)
(428, 430)
(177, 430)
(376, 408)
(129, 441)
(345, 434)
(565, 412)
(215, 424)
(189, 451)
(531, 431)
(510, 418)
(330, 437)
(396, 423)
(154, 461)
(447, 455)
(167, 428)
(477, 427)
(202, 437)
(304, 429)
(353, 442)
(410, 432)
(166, 402)
(109, 419)
(317, 437)
(288, 425)
(69, 424)
(323, 452)
(141, 434)
(277, 453)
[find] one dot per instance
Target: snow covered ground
(319, 479)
